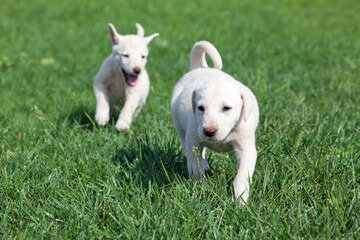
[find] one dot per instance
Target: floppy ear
(149, 38)
(193, 96)
(114, 36)
(248, 104)
(140, 30)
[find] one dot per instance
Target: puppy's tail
(197, 58)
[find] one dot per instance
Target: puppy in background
(122, 79)
(210, 109)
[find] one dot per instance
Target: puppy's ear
(151, 37)
(114, 36)
(193, 96)
(140, 30)
(248, 104)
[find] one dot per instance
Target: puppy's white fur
(212, 110)
(122, 79)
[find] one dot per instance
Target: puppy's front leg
(193, 157)
(101, 93)
(102, 104)
(246, 160)
(127, 112)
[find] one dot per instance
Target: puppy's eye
(143, 56)
(226, 108)
(125, 55)
(201, 108)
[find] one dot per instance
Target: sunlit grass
(61, 176)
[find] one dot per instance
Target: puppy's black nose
(136, 70)
(210, 131)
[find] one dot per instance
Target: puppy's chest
(116, 87)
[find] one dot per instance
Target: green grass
(63, 177)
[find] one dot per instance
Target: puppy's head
(217, 107)
(130, 52)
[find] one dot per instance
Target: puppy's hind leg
(204, 163)
(180, 132)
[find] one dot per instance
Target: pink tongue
(131, 79)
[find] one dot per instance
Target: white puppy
(212, 110)
(122, 79)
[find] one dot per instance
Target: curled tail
(197, 58)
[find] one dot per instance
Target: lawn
(62, 176)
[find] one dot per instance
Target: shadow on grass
(147, 158)
(152, 159)
(84, 118)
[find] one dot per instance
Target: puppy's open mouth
(130, 79)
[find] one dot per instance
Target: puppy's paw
(101, 118)
(241, 193)
(242, 203)
(205, 165)
(122, 126)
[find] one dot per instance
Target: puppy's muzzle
(137, 70)
(210, 131)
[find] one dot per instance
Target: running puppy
(122, 79)
(210, 109)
